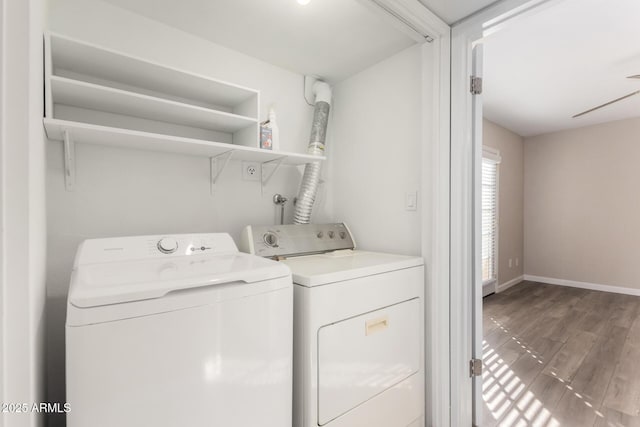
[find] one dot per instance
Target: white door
(3, 102)
(464, 126)
(478, 289)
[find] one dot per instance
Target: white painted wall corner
(506, 285)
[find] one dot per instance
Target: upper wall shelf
(116, 101)
(98, 96)
(84, 61)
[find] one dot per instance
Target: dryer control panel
(295, 239)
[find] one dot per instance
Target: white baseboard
(506, 285)
(583, 285)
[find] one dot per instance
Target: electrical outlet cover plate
(250, 171)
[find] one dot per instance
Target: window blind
(489, 218)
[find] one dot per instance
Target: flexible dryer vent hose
(311, 177)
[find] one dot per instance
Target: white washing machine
(358, 327)
(179, 330)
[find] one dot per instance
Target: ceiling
(563, 60)
(332, 39)
(451, 11)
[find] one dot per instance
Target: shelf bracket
(69, 161)
(217, 165)
(276, 163)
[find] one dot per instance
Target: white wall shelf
(102, 98)
(98, 96)
(83, 133)
(102, 135)
(76, 59)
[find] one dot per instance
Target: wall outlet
(510, 262)
(517, 261)
(251, 171)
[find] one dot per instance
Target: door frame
(435, 224)
(2, 202)
(464, 211)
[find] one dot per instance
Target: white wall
(510, 199)
(127, 192)
(23, 209)
(383, 145)
(376, 151)
(582, 205)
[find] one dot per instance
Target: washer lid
(321, 269)
(117, 282)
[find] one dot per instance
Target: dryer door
(361, 357)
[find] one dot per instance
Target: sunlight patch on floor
(504, 393)
(501, 388)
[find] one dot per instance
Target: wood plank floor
(561, 356)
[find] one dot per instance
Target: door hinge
(475, 367)
(476, 85)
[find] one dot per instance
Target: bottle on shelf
(275, 131)
(266, 135)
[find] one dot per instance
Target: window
(490, 161)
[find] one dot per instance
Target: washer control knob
(320, 234)
(330, 234)
(167, 245)
(270, 239)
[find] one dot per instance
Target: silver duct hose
(311, 177)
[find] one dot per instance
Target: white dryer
(178, 330)
(358, 327)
